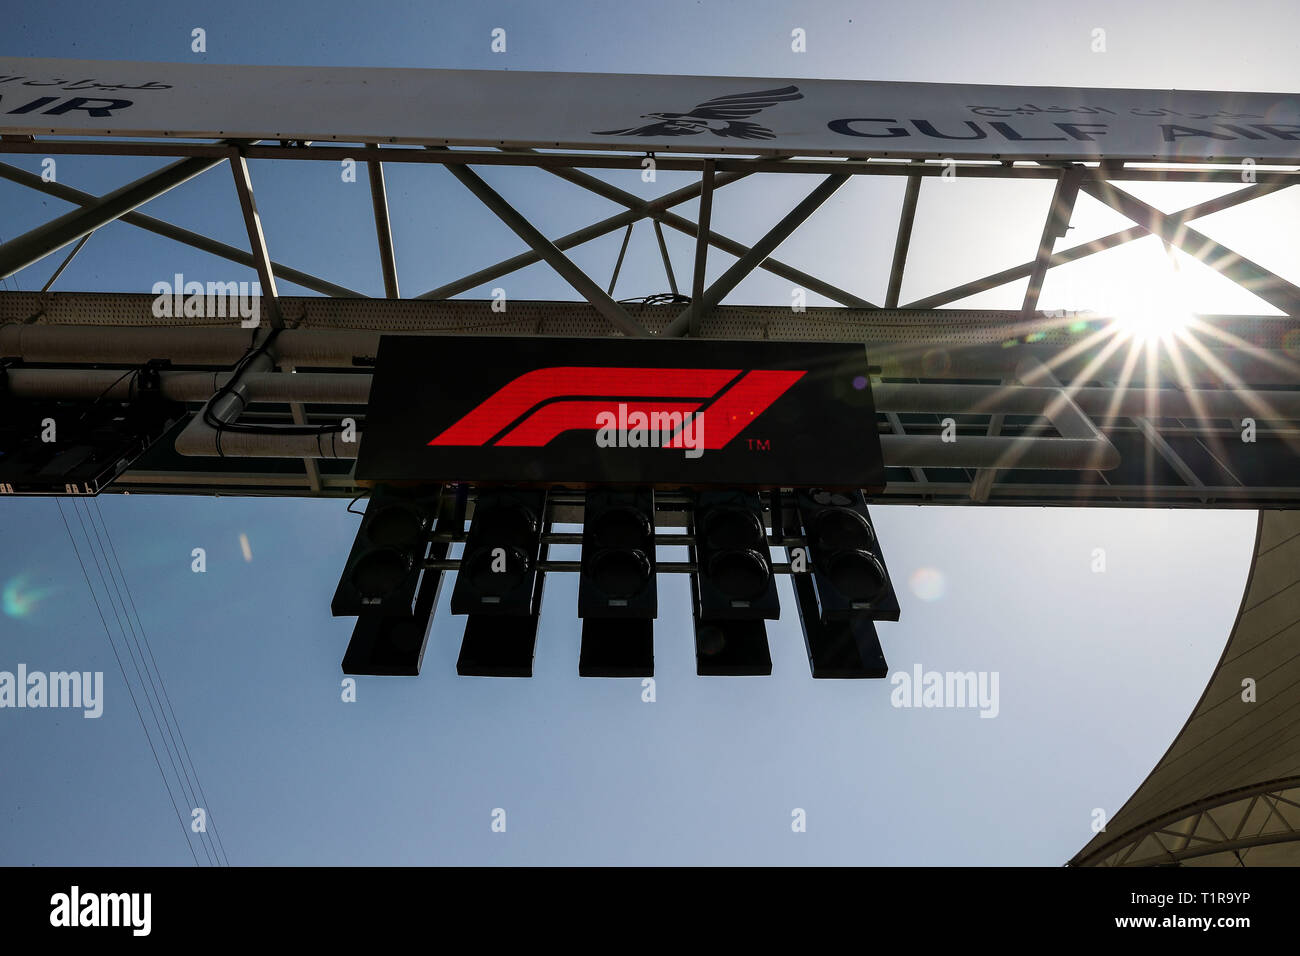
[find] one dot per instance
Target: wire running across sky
(162, 726)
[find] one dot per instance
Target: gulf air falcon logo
(723, 116)
(688, 408)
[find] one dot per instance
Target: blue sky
(1097, 671)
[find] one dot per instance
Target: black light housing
(499, 585)
(394, 646)
(383, 568)
(731, 649)
(733, 588)
(848, 567)
(618, 556)
(387, 586)
(617, 647)
(495, 645)
(499, 565)
(838, 648)
(734, 580)
(617, 589)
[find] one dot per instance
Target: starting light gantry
(1004, 407)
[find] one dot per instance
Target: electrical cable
(107, 633)
(100, 564)
(166, 695)
(159, 684)
(658, 298)
(134, 372)
(219, 426)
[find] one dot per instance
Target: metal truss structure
(997, 407)
(1250, 826)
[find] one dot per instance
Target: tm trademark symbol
(759, 444)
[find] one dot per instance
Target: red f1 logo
(539, 405)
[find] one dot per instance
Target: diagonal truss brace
(383, 229)
(1175, 219)
(176, 233)
(256, 237)
(556, 259)
(1251, 276)
(903, 240)
(659, 214)
(1057, 224)
(586, 234)
(31, 247)
(746, 264)
(1180, 838)
(697, 306)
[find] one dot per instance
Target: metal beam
(586, 234)
(625, 159)
(982, 483)
(256, 238)
(697, 307)
(1108, 854)
(198, 430)
(760, 251)
(1084, 249)
(557, 260)
(717, 240)
(299, 416)
(1252, 277)
(1180, 402)
(903, 240)
(896, 425)
(1058, 222)
(1048, 454)
(316, 388)
(169, 231)
(383, 229)
(66, 262)
(198, 480)
(1066, 416)
(73, 327)
(899, 451)
(618, 264)
(663, 251)
(1167, 452)
(353, 388)
(19, 253)
(1081, 448)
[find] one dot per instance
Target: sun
(1152, 304)
(1154, 323)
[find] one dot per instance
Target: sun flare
(1153, 303)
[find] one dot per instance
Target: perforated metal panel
(949, 328)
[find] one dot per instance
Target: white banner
(697, 114)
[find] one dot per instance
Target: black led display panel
(621, 411)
